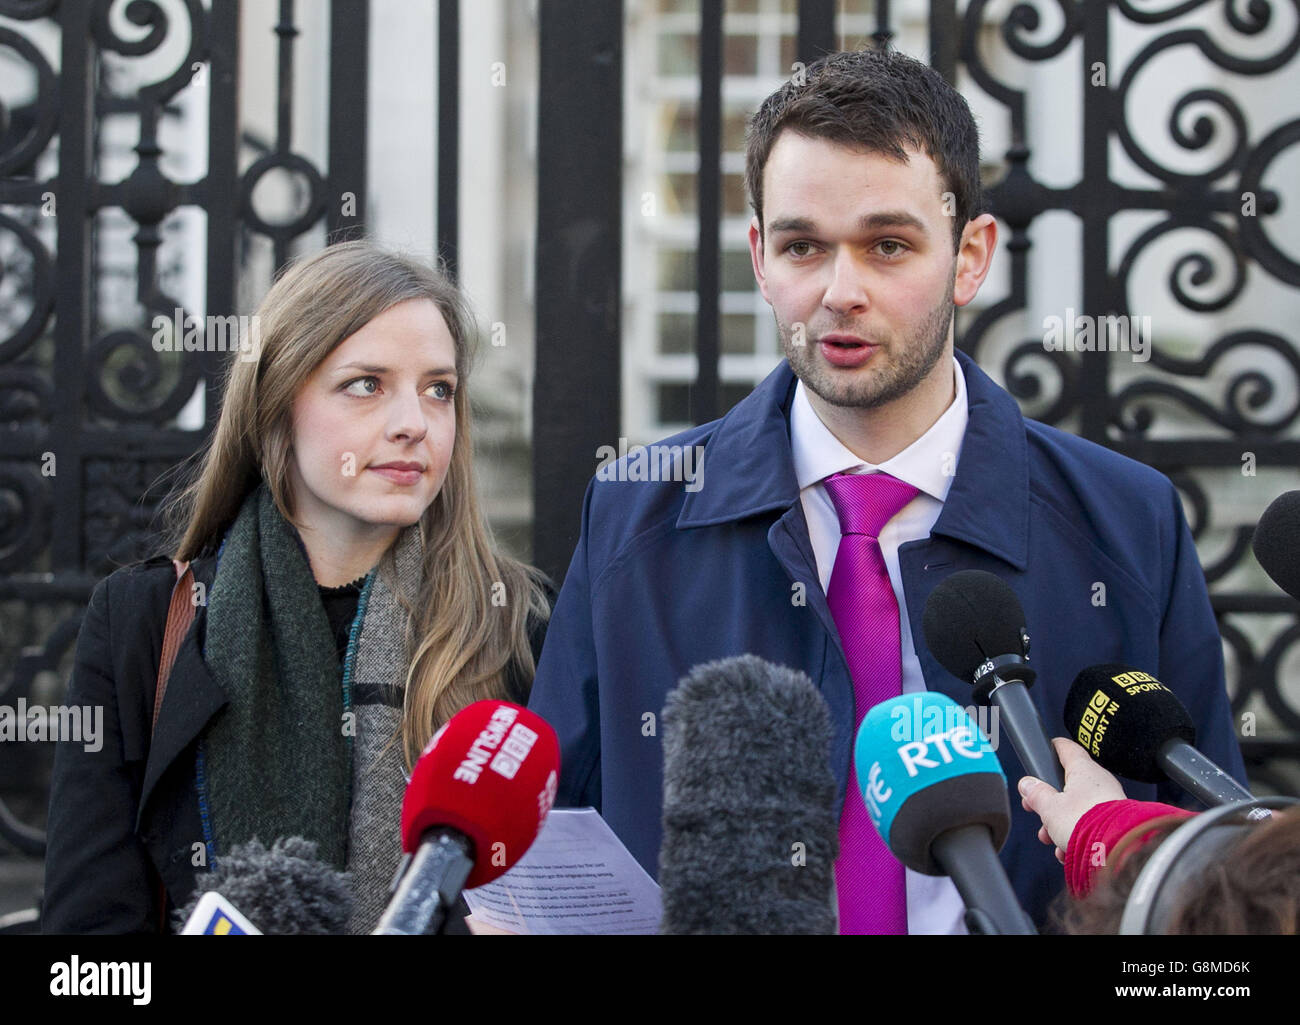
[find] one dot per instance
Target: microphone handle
(1199, 776)
(967, 855)
(430, 885)
(1020, 719)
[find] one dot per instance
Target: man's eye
(362, 386)
(799, 248)
(892, 247)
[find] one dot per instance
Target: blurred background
(578, 166)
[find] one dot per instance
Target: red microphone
(475, 804)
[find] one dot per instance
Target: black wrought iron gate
(87, 414)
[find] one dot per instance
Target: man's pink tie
(871, 883)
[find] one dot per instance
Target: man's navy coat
(663, 579)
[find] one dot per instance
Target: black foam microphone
(750, 833)
(1135, 726)
(284, 889)
(974, 626)
(1277, 542)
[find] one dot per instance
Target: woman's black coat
(127, 816)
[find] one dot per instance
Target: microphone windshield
(490, 773)
(283, 890)
(750, 833)
(974, 626)
(1277, 542)
(1122, 717)
(923, 768)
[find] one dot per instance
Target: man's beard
(910, 361)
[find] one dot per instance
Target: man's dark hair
(879, 101)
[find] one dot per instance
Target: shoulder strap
(180, 616)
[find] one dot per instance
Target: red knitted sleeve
(1098, 831)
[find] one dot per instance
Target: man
(865, 469)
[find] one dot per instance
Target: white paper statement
(577, 878)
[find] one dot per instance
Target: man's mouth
(845, 341)
(846, 350)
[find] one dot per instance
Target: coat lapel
(750, 474)
(789, 541)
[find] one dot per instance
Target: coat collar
(749, 466)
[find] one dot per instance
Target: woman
(350, 600)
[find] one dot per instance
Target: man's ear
(756, 257)
(974, 257)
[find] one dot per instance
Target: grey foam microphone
(750, 833)
(284, 889)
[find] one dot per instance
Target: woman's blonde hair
(462, 646)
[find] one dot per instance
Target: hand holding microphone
(1087, 784)
(1133, 726)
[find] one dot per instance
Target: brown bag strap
(180, 616)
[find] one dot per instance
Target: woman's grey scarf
(299, 751)
(376, 665)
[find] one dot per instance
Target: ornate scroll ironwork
(88, 402)
(1235, 404)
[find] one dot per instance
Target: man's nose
(846, 292)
